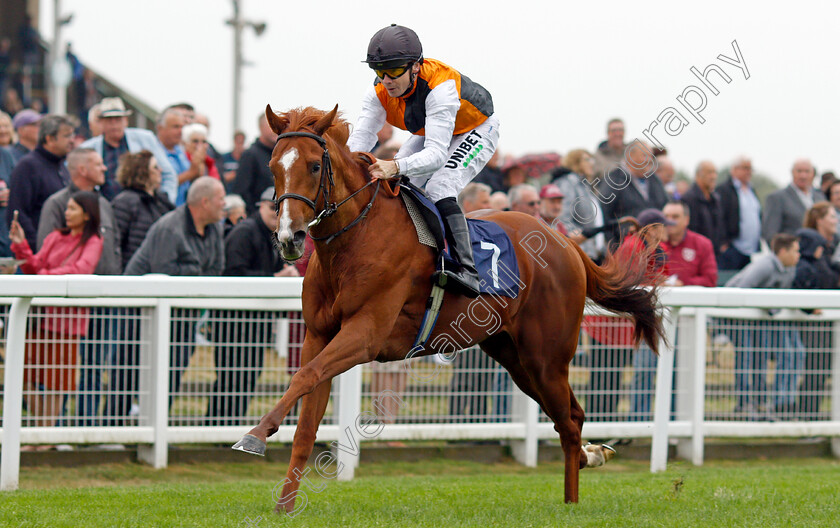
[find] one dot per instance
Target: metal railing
(198, 360)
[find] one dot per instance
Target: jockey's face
(401, 84)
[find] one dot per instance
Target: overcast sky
(557, 70)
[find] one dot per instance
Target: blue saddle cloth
(493, 251)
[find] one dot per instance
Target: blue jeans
(182, 345)
(751, 340)
(470, 384)
(94, 349)
(732, 259)
(790, 358)
(606, 364)
(501, 386)
(756, 342)
(125, 370)
(641, 389)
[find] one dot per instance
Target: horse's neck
(385, 224)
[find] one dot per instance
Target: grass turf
(438, 493)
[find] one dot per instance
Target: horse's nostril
(281, 236)
(300, 237)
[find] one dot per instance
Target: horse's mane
(301, 119)
(304, 119)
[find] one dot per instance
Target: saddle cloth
(495, 258)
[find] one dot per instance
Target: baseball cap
(653, 216)
(266, 196)
(551, 191)
(26, 117)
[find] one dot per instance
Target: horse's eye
(316, 168)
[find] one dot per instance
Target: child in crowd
(753, 342)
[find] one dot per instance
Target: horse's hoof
(250, 444)
(598, 455)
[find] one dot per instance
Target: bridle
(326, 186)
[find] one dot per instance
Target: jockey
(454, 134)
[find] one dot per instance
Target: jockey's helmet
(394, 46)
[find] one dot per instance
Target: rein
(326, 186)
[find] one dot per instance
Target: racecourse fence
(198, 360)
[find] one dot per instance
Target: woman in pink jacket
(53, 338)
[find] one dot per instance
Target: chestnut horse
(366, 287)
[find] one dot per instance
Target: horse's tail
(615, 286)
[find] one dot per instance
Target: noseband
(326, 187)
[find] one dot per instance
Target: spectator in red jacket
(51, 350)
(691, 256)
(612, 345)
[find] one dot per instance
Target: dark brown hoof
(250, 444)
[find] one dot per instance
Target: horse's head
(302, 175)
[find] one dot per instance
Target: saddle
(493, 251)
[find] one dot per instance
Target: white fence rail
(188, 360)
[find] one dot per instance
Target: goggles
(393, 73)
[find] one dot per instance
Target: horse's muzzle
(290, 248)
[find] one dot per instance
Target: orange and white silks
(409, 111)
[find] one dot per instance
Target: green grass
(433, 493)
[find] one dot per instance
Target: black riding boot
(464, 280)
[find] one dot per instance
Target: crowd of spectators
(161, 206)
(715, 233)
(169, 202)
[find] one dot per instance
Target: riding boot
(463, 280)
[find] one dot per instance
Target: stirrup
(455, 283)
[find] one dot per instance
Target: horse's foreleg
(350, 347)
(311, 413)
(254, 442)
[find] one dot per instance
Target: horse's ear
(278, 123)
(325, 122)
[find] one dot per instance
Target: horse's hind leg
(501, 348)
(591, 455)
(577, 410)
(557, 394)
(547, 363)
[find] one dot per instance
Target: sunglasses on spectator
(392, 73)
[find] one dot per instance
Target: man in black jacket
(631, 188)
(241, 336)
(249, 250)
(185, 242)
(740, 213)
(40, 174)
(704, 205)
(253, 174)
